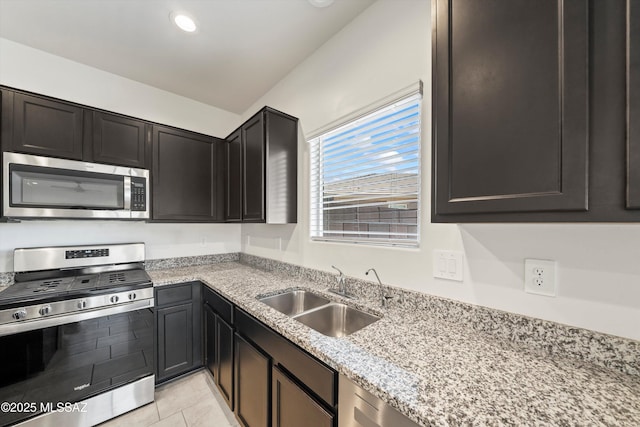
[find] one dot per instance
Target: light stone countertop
(436, 372)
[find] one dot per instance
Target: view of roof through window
(365, 177)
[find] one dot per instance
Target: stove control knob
(132, 296)
(44, 310)
(115, 299)
(20, 314)
(82, 304)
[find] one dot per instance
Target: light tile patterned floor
(192, 401)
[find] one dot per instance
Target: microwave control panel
(138, 194)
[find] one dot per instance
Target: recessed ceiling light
(321, 3)
(183, 21)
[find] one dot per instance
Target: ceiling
(241, 49)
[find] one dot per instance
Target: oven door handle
(30, 325)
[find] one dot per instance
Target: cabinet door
(6, 119)
(196, 322)
(46, 127)
(183, 178)
(293, 407)
(175, 340)
(253, 152)
(633, 104)
(252, 385)
(510, 104)
(233, 188)
(210, 341)
(219, 179)
(224, 379)
(120, 140)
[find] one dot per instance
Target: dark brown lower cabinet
(265, 379)
(218, 338)
(210, 342)
(219, 353)
(277, 383)
(293, 407)
(253, 385)
(224, 338)
(175, 342)
(179, 326)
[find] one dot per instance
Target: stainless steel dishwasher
(359, 408)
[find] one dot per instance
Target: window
(365, 177)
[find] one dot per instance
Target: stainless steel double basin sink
(317, 312)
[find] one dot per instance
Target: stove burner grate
(117, 278)
(45, 288)
(48, 286)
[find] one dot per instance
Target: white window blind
(365, 177)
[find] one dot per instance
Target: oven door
(55, 366)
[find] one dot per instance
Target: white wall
(383, 50)
(25, 68)
(161, 240)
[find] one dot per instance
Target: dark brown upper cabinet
(233, 188)
(510, 106)
(633, 104)
(262, 168)
(49, 127)
(120, 140)
(253, 178)
(529, 112)
(185, 184)
(42, 126)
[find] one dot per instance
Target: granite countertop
(437, 372)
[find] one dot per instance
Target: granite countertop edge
(379, 359)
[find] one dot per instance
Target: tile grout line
(157, 410)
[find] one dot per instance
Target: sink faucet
(384, 298)
(342, 284)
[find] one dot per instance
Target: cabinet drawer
(219, 304)
(319, 378)
(174, 294)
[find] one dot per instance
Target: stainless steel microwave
(44, 187)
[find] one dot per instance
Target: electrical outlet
(540, 277)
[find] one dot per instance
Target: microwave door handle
(127, 193)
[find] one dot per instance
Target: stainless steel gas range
(76, 336)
